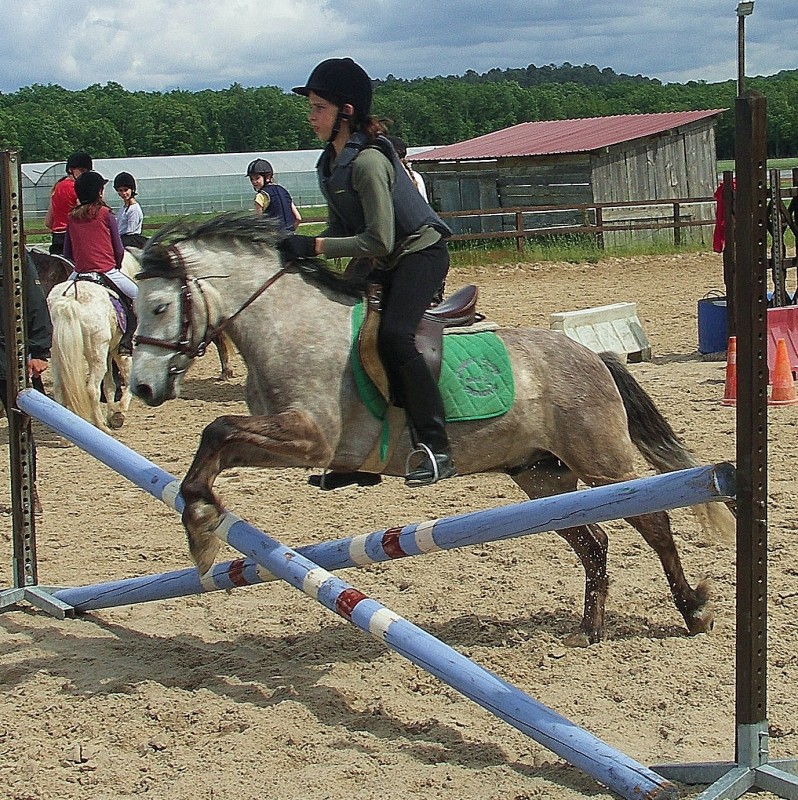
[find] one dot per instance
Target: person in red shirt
(93, 244)
(63, 199)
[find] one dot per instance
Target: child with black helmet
(271, 199)
(63, 199)
(376, 212)
(93, 244)
(129, 216)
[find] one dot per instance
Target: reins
(183, 344)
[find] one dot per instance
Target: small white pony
(86, 334)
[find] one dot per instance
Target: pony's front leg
(289, 439)
(117, 411)
(224, 345)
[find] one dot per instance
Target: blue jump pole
(641, 496)
(578, 747)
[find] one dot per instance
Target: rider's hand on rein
(297, 247)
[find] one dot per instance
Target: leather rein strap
(183, 344)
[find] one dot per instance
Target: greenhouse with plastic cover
(185, 184)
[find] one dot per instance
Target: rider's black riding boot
(337, 480)
(424, 408)
(126, 342)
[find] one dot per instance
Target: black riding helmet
(124, 180)
(339, 81)
(79, 160)
(260, 166)
(88, 186)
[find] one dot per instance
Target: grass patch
(569, 249)
(773, 163)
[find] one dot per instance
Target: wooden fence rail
(593, 220)
(592, 215)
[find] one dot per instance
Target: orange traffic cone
(730, 393)
(782, 392)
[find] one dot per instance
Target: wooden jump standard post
(641, 496)
(610, 767)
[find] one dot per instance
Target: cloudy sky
(153, 45)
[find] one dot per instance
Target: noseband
(183, 346)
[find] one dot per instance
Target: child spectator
(129, 216)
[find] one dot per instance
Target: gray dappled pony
(577, 415)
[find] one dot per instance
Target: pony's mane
(253, 232)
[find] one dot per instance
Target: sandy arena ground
(260, 692)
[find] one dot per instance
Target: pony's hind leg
(288, 439)
(94, 380)
(589, 542)
(693, 604)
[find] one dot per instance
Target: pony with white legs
(86, 336)
(87, 328)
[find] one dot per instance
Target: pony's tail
(660, 445)
(650, 431)
(68, 362)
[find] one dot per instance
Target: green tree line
(47, 122)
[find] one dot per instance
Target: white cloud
(157, 45)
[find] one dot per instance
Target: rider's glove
(297, 247)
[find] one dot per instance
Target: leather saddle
(120, 301)
(458, 310)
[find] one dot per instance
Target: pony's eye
(161, 309)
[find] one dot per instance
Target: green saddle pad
(476, 379)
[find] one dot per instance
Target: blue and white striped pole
(641, 496)
(596, 758)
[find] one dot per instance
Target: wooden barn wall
(681, 163)
(508, 183)
(550, 181)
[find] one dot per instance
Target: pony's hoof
(204, 557)
(117, 420)
(200, 519)
(578, 639)
(702, 621)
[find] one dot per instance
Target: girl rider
(129, 216)
(375, 211)
(93, 244)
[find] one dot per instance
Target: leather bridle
(183, 346)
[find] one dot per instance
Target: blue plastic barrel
(712, 336)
